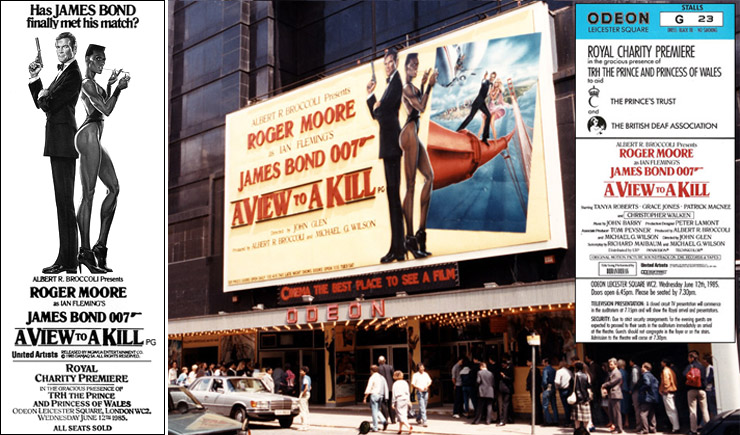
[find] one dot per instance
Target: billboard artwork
(489, 89)
(442, 151)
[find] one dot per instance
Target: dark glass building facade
(227, 55)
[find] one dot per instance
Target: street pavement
(346, 420)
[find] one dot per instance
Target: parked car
(243, 397)
(726, 423)
(187, 416)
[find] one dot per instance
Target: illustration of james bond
(62, 137)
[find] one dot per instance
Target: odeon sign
(331, 312)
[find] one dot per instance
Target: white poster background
(696, 99)
(638, 280)
(653, 283)
(133, 135)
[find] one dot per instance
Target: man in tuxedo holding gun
(385, 112)
(58, 101)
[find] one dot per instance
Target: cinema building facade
(279, 203)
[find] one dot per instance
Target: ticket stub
(655, 181)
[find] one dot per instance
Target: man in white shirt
(421, 381)
(377, 389)
(192, 375)
(267, 379)
(562, 383)
(172, 375)
(303, 398)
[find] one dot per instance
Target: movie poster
(439, 152)
(83, 127)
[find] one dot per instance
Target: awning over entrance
(496, 298)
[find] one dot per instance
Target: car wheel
(182, 407)
(285, 422)
(239, 414)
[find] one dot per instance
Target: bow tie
(60, 66)
(388, 80)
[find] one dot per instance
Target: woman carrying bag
(582, 390)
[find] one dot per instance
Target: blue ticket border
(652, 29)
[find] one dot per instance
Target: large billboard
(443, 151)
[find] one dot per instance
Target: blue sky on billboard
(495, 198)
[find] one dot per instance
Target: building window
(202, 152)
(187, 240)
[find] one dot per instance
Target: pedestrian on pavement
(377, 390)
(232, 370)
(649, 396)
(668, 388)
(711, 393)
(587, 371)
(597, 378)
(421, 381)
(386, 371)
(192, 375)
(287, 384)
(485, 395)
(563, 380)
(303, 397)
(538, 390)
(457, 384)
(505, 389)
(695, 381)
(468, 383)
(625, 405)
(277, 377)
(582, 388)
(605, 398)
(612, 389)
(268, 380)
(172, 374)
(183, 378)
(634, 378)
(495, 368)
(549, 393)
(401, 400)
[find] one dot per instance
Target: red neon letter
(355, 310)
(312, 314)
(292, 316)
(378, 308)
(332, 312)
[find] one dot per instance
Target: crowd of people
(621, 394)
(280, 380)
(617, 394)
(482, 388)
(390, 396)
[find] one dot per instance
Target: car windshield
(181, 401)
(247, 385)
